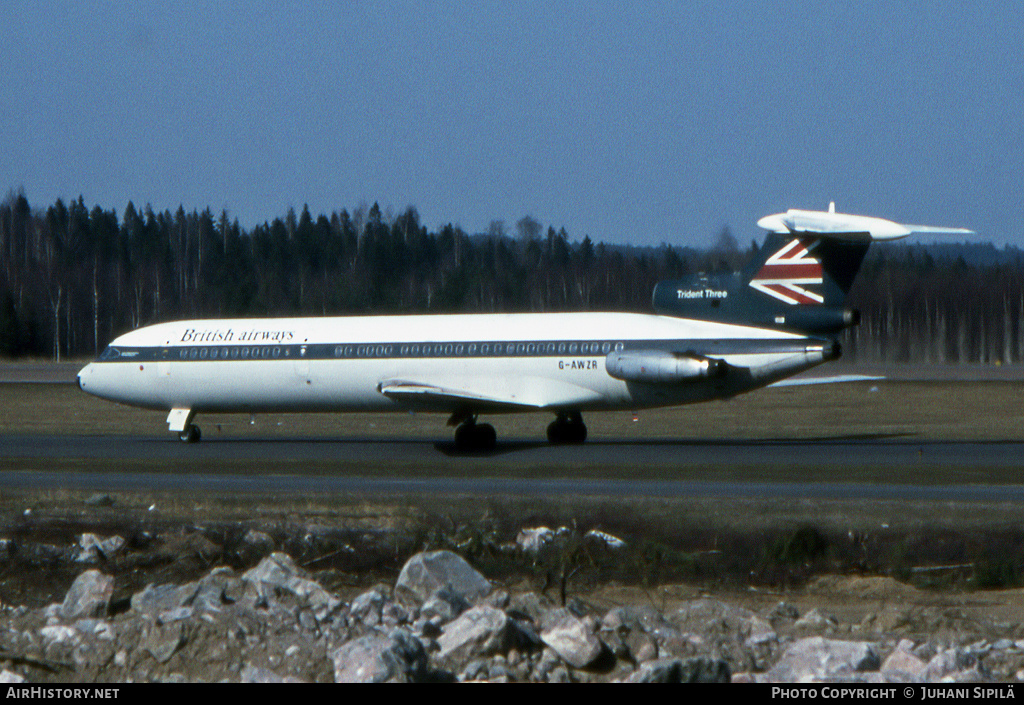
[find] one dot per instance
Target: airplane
(710, 337)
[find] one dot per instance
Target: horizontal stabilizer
(844, 226)
(837, 379)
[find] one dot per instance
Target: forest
(75, 277)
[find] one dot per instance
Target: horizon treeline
(74, 278)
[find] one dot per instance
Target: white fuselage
(483, 363)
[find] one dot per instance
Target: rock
(366, 607)
(480, 631)
(258, 538)
(255, 674)
(100, 499)
(758, 632)
(531, 541)
(707, 614)
(694, 670)
(529, 606)
(216, 589)
(817, 659)
(397, 657)
(279, 571)
(816, 620)
(155, 599)
(783, 613)
(630, 620)
(605, 540)
(571, 638)
(444, 606)
(952, 664)
(10, 677)
(641, 646)
(255, 545)
(426, 573)
(174, 615)
(91, 548)
(88, 596)
(58, 634)
(162, 641)
(902, 666)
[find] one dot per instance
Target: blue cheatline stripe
(433, 349)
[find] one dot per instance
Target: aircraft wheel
(487, 439)
(191, 434)
(474, 437)
(567, 429)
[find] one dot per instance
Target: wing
(487, 395)
(444, 398)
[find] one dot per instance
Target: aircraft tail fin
(798, 280)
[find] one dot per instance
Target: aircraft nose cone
(83, 376)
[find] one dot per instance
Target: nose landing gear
(190, 434)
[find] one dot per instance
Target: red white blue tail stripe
(786, 274)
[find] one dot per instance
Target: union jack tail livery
(798, 280)
(788, 272)
(802, 270)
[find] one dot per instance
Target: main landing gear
(471, 436)
(567, 428)
(191, 434)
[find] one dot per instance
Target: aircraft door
(302, 367)
(163, 366)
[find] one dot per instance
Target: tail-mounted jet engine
(655, 366)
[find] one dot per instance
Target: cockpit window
(111, 353)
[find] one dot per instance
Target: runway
(878, 467)
(867, 451)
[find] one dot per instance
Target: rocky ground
(168, 607)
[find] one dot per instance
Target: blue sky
(642, 123)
